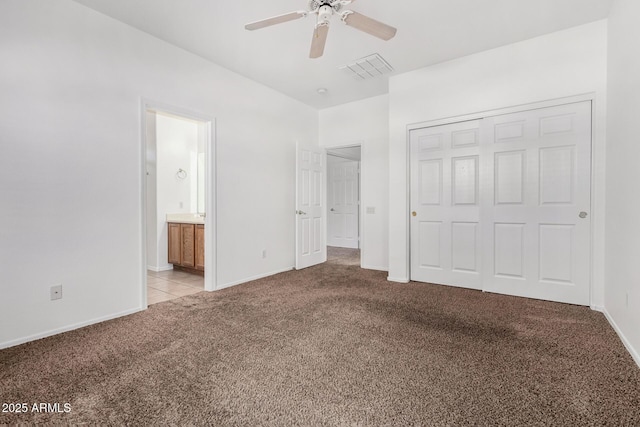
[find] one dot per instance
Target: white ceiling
(429, 31)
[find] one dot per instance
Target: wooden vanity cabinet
(175, 243)
(186, 246)
(188, 235)
(199, 253)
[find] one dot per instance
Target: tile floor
(171, 284)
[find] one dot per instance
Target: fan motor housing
(324, 13)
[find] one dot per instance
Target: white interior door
(343, 196)
(445, 205)
(502, 204)
(311, 248)
(536, 214)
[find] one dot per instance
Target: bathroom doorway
(179, 216)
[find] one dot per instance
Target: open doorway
(343, 204)
(179, 259)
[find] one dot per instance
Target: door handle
(582, 214)
(414, 213)
(332, 209)
(301, 213)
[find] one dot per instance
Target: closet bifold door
(535, 211)
(502, 204)
(444, 211)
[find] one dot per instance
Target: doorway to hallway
(343, 202)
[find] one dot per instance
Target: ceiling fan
(325, 9)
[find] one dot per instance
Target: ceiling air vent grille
(367, 68)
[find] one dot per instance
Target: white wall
(176, 148)
(72, 81)
(557, 65)
(622, 292)
(365, 122)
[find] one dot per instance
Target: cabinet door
(174, 243)
(200, 247)
(188, 245)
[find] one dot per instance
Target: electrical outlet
(264, 253)
(56, 292)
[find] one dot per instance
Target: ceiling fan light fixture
(325, 9)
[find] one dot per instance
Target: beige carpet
(332, 345)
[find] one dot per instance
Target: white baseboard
(157, 269)
(250, 279)
(634, 354)
(51, 332)
(373, 267)
(398, 279)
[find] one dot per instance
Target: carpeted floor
(332, 345)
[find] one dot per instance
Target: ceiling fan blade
(368, 25)
(318, 41)
(276, 20)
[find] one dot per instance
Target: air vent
(367, 68)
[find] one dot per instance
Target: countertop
(186, 218)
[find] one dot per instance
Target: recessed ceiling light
(368, 67)
(322, 90)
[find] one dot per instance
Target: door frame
(210, 220)
(361, 162)
(596, 223)
(359, 196)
